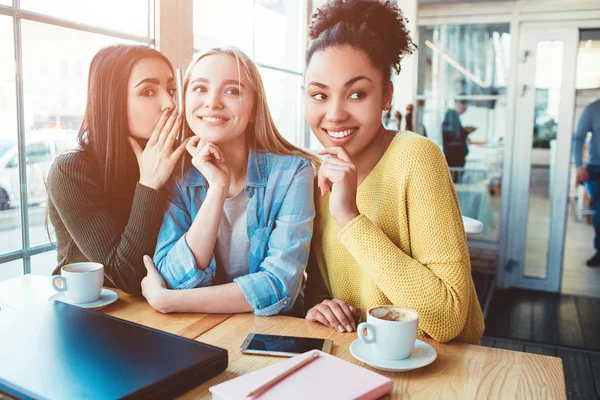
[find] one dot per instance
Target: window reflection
(54, 68)
(223, 23)
(273, 39)
(55, 93)
(283, 49)
(11, 269)
(10, 213)
(283, 96)
(461, 95)
(129, 16)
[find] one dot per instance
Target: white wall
(405, 84)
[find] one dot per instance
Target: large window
(462, 80)
(43, 93)
(42, 109)
(271, 32)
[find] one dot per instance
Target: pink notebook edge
(384, 385)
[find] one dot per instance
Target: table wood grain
(136, 309)
(461, 371)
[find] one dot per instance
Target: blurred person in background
(454, 137)
(590, 174)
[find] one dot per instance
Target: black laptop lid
(60, 351)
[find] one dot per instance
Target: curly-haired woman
(388, 228)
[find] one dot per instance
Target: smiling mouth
(212, 119)
(340, 134)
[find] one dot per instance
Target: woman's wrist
(162, 301)
(150, 183)
(219, 191)
(343, 218)
(165, 297)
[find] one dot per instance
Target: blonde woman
(237, 231)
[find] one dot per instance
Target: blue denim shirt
(279, 225)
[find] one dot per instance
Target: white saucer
(422, 355)
(106, 297)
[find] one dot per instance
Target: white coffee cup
(391, 331)
(82, 282)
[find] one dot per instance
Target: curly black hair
(377, 28)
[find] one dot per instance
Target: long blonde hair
(265, 135)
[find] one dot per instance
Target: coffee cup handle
(63, 283)
(370, 336)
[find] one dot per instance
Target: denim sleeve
(173, 258)
(275, 287)
(583, 127)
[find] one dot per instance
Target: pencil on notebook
(265, 386)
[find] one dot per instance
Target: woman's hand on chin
(209, 160)
(154, 287)
(339, 176)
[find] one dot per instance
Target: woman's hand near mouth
(209, 160)
(338, 175)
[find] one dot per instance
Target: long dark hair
(103, 133)
(378, 29)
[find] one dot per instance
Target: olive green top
(90, 225)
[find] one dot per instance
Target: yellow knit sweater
(407, 247)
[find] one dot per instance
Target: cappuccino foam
(393, 314)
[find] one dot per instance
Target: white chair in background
(472, 225)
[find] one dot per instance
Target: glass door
(542, 145)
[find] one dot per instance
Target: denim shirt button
(285, 302)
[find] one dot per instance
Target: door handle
(524, 55)
(523, 89)
(511, 265)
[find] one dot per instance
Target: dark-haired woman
(105, 200)
(388, 228)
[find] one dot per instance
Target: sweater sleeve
(84, 208)
(435, 278)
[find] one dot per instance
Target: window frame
(302, 132)
(170, 30)
(18, 15)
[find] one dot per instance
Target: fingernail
(349, 328)
(167, 111)
(340, 328)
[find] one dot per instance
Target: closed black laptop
(59, 351)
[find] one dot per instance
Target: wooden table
(22, 292)
(460, 371)
(136, 309)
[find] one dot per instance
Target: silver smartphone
(283, 346)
